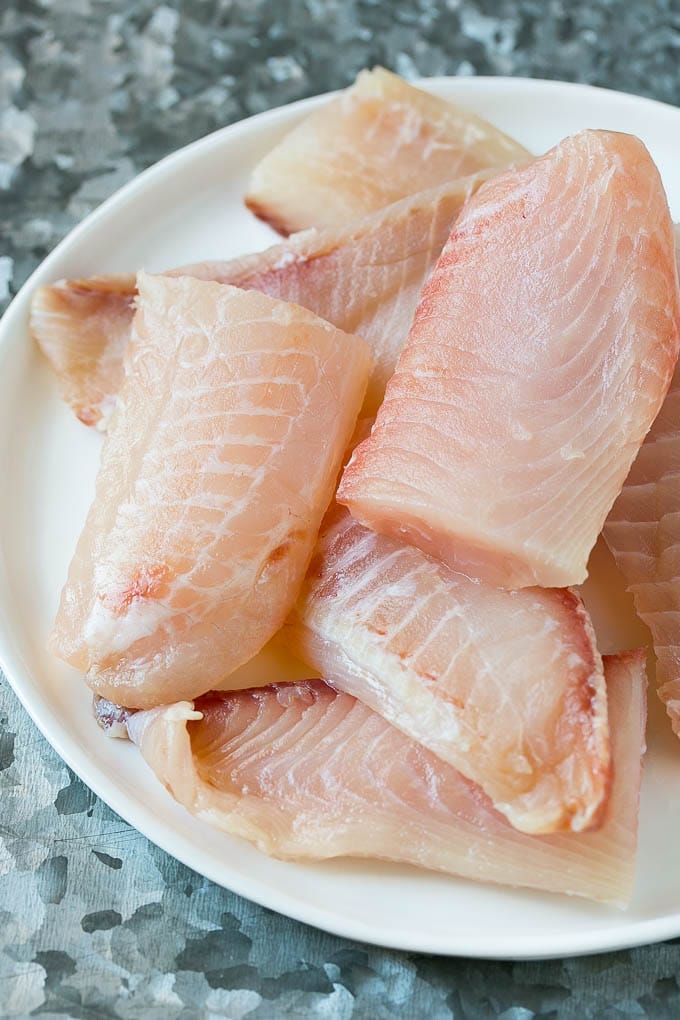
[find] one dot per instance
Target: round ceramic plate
(189, 207)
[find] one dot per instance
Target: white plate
(186, 208)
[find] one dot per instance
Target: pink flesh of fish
(365, 278)
(505, 686)
(540, 354)
(306, 772)
(83, 327)
(372, 145)
(643, 533)
(222, 457)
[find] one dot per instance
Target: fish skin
(375, 143)
(309, 773)
(514, 414)
(111, 718)
(505, 686)
(83, 326)
(221, 459)
(642, 533)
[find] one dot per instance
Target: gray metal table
(94, 920)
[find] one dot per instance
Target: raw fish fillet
(82, 327)
(643, 533)
(505, 686)
(365, 278)
(539, 356)
(306, 772)
(375, 143)
(221, 459)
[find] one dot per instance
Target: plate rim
(161, 832)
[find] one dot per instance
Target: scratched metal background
(94, 920)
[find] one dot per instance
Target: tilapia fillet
(643, 533)
(83, 327)
(505, 686)
(540, 354)
(365, 278)
(306, 772)
(372, 145)
(221, 459)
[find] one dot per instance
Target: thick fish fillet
(221, 459)
(372, 145)
(540, 354)
(643, 533)
(365, 278)
(305, 772)
(505, 686)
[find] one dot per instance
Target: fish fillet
(221, 459)
(83, 327)
(375, 143)
(306, 772)
(540, 354)
(505, 686)
(643, 533)
(365, 278)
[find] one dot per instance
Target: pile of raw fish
(389, 444)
